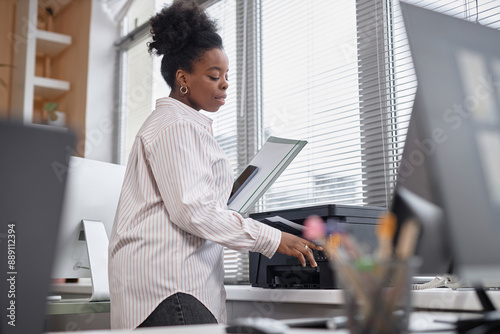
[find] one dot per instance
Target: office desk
(244, 301)
(76, 306)
(421, 321)
(442, 299)
(438, 299)
(296, 303)
(195, 329)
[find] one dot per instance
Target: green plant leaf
(51, 106)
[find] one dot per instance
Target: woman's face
(208, 82)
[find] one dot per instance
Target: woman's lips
(221, 99)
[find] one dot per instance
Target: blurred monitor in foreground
(413, 199)
(31, 196)
(457, 65)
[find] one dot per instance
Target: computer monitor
(457, 66)
(413, 199)
(31, 196)
(91, 199)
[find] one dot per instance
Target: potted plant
(55, 117)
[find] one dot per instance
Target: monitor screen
(92, 193)
(457, 66)
(413, 199)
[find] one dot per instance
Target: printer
(286, 272)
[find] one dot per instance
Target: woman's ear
(181, 77)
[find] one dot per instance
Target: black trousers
(179, 309)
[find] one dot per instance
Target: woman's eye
(213, 78)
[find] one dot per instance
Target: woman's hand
(298, 247)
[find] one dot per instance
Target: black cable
(486, 302)
(486, 328)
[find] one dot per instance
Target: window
(338, 74)
(138, 83)
(142, 83)
(136, 77)
(310, 91)
(225, 121)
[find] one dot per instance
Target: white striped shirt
(172, 219)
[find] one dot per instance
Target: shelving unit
(50, 53)
(49, 44)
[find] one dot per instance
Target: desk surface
(76, 306)
(431, 299)
(439, 299)
(419, 322)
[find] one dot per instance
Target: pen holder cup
(377, 295)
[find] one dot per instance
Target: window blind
(225, 121)
(401, 77)
(337, 74)
(340, 75)
(138, 85)
(310, 92)
(346, 85)
(136, 74)
(141, 83)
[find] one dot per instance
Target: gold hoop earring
(183, 90)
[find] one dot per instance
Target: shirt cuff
(268, 240)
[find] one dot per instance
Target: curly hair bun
(178, 25)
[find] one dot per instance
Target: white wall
(101, 122)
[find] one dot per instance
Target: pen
(405, 248)
(407, 240)
(385, 233)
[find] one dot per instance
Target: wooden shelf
(50, 88)
(57, 46)
(51, 43)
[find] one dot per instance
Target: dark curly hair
(182, 33)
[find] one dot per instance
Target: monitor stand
(97, 249)
(97, 243)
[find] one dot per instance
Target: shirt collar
(185, 109)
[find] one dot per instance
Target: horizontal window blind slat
(349, 93)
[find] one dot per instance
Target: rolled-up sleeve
(180, 159)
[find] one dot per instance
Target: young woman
(166, 247)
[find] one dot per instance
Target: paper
(272, 159)
(289, 223)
